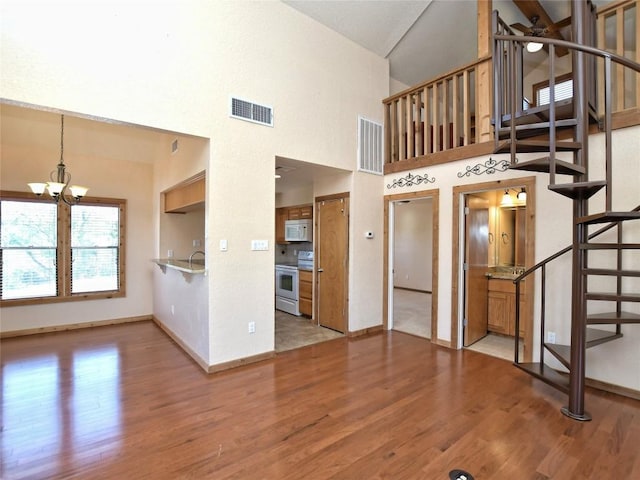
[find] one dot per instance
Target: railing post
(575, 409)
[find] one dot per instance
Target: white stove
(287, 282)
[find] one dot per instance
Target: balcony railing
(618, 32)
(455, 109)
(438, 115)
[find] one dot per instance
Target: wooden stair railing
(514, 128)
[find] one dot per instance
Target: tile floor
(412, 314)
(295, 332)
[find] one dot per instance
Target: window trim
(63, 256)
(545, 83)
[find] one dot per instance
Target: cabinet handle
(320, 270)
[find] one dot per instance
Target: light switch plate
(223, 245)
(260, 245)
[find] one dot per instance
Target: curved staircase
(564, 127)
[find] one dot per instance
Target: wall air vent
(369, 146)
(251, 112)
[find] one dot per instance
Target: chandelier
(60, 179)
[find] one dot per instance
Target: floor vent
(369, 146)
(251, 112)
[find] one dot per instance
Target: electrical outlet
(252, 327)
(170, 253)
(551, 337)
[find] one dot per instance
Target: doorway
(411, 263)
(494, 235)
(332, 261)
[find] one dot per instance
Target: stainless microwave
(298, 231)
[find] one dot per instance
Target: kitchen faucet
(191, 256)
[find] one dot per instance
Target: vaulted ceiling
(421, 38)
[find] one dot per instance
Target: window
(563, 90)
(52, 252)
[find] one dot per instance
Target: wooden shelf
(187, 196)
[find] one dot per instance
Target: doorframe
(387, 279)
(457, 300)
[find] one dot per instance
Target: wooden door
(476, 266)
(332, 247)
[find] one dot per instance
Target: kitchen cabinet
(187, 196)
(501, 307)
(305, 292)
(282, 215)
(301, 212)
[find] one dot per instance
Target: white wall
(413, 244)
(173, 65)
(615, 362)
(181, 301)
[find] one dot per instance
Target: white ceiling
(421, 38)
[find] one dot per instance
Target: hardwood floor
(124, 401)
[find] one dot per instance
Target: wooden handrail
(441, 77)
(438, 115)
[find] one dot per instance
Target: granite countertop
(183, 265)
(504, 273)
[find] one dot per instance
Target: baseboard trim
(442, 343)
(203, 364)
(74, 326)
(611, 388)
(365, 331)
(241, 362)
(194, 356)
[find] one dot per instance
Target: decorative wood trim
(194, 356)
(439, 158)
(450, 73)
(442, 343)
(435, 198)
(529, 183)
(220, 367)
(365, 331)
(610, 387)
(333, 196)
(74, 326)
(63, 256)
(202, 363)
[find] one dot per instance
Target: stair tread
(543, 164)
(594, 337)
(564, 110)
(622, 297)
(528, 146)
(612, 318)
(582, 190)
(546, 374)
(611, 272)
(606, 217)
(561, 352)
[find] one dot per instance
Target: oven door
(287, 283)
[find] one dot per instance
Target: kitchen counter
(504, 273)
(194, 267)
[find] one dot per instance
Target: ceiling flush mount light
(533, 47)
(60, 179)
